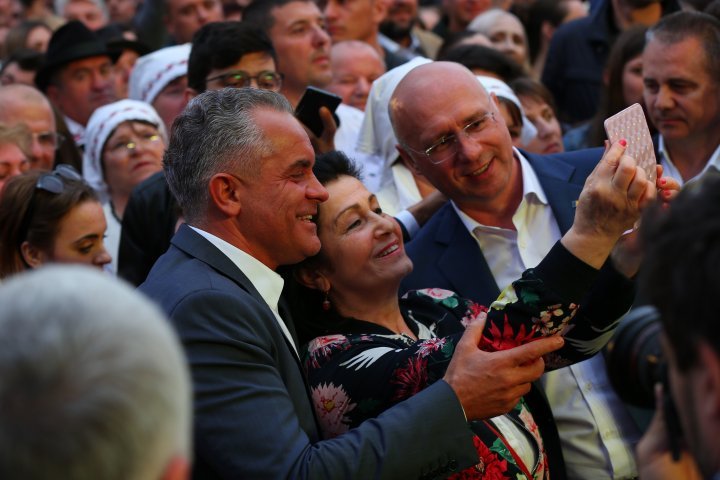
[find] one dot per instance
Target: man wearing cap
(77, 75)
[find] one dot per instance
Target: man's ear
(32, 255)
(169, 25)
(311, 277)
(407, 160)
(380, 8)
(190, 93)
(226, 193)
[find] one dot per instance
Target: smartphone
(308, 109)
(631, 125)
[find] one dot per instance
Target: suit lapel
(555, 177)
(462, 262)
(193, 244)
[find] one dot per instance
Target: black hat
(73, 41)
(114, 36)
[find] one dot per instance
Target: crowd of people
(424, 287)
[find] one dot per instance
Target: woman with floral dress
(369, 351)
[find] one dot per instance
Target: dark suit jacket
(253, 413)
(445, 255)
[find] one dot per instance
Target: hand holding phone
(631, 125)
(308, 109)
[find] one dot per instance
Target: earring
(326, 302)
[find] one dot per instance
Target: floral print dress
(367, 369)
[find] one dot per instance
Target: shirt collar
(532, 190)
(267, 282)
(672, 170)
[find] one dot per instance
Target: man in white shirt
(507, 209)
(681, 74)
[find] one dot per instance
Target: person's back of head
(93, 383)
(222, 44)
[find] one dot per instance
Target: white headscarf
(152, 72)
(376, 133)
(501, 89)
(101, 125)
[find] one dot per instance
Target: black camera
(634, 357)
(635, 363)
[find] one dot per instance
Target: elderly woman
(369, 350)
(124, 145)
(50, 217)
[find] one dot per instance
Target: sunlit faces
(80, 236)
(251, 63)
(508, 36)
(302, 47)
(86, 11)
(632, 81)
(83, 86)
(549, 134)
(355, 66)
(483, 169)
(131, 154)
(278, 205)
(12, 163)
(353, 19)
(171, 101)
(682, 99)
(185, 17)
(362, 247)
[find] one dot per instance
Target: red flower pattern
(411, 379)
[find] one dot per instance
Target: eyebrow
(352, 208)
(89, 236)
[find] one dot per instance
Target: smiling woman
(369, 349)
(125, 142)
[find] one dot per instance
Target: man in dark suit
(240, 166)
(507, 209)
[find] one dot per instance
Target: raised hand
(609, 205)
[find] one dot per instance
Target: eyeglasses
(128, 146)
(49, 139)
(447, 146)
(52, 182)
(237, 79)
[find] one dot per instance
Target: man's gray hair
(216, 133)
(93, 383)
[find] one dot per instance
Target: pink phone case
(631, 125)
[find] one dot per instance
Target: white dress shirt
(267, 282)
(76, 130)
(670, 170)
(596, 432)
